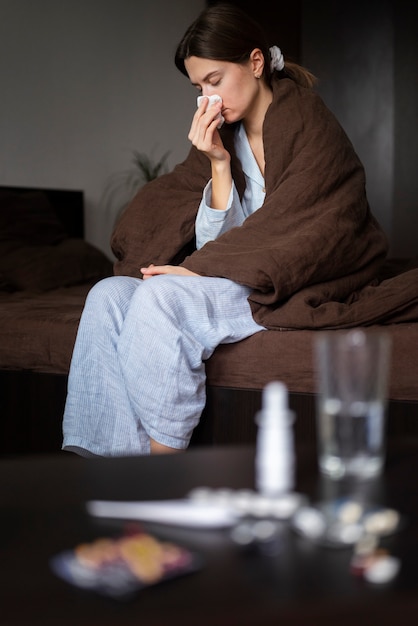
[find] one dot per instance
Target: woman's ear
(257, 62)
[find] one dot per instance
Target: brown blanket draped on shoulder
(311, 254)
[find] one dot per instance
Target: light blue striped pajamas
(138, 369)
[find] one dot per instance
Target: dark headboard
(68, 205)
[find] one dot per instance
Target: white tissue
(212, 100)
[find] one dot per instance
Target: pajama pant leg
(98, 416)
(159, 341)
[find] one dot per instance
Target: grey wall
(404, 226)
(365, 54)
(86, 82)
(83, 84)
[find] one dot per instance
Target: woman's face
(235, 83)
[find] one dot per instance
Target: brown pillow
(41, 268)
(29, 218)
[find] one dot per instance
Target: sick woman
(267, 212)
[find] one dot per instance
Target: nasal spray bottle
(274, 461)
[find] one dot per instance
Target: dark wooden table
(42, 503)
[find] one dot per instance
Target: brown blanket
(312, 253)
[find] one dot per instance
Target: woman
(268, 206)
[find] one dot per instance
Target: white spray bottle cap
(275, 398)
(274, 402)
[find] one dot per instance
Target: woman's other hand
(157, 270)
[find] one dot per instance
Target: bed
(46, 271)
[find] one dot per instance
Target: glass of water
(352, 383)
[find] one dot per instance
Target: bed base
(33, 406)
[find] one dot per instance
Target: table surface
(42, 501)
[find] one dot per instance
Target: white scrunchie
(277, 60)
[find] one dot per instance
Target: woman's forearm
(221, 185)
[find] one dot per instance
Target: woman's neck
(253, 123)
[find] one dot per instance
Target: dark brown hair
(223, 32)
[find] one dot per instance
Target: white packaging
(274, 462)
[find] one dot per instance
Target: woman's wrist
(221, 167)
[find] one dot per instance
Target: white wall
(83, 84)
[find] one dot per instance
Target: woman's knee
(114, 289)
(166, 292)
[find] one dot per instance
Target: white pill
(382, 570)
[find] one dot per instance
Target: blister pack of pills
(120, 567)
